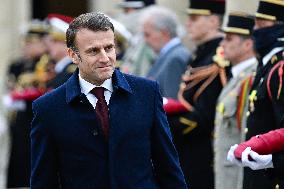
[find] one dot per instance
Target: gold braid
(194, 76)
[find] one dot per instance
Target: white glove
(11, 104)
(258, 162)
(165, 100)
(231, 157)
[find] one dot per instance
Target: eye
(109, 48)
(92, 52)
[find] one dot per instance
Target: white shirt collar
(86, 86)
(267, 57)
(60, 65)
(170, 44)
(238, 68)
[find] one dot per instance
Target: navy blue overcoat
(69, 150)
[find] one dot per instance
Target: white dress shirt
(60, 65)
(238, 68)
(173, 42)
(86, 88)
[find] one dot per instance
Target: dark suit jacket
(168, 69)
(68, 147)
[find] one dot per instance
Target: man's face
(34, 48)
(198, 27)
(233, 46)
(262, 23)
(56, 49)
(96, 55)
(152, 36)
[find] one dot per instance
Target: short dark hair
(95, 21)
(245, 37)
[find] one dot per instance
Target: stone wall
(14, 16)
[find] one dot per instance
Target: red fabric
(173, 106)
(267, 143)
(62, 17)
(27, 94)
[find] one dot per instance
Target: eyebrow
(97, 48)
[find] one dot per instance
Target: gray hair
(94, 21)
(161, 18)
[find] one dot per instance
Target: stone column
(106, 6)
(242, 5)
(249, 7)
(14, 16)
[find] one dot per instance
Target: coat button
(95, 132)
(248, 113)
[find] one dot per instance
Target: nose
(188, 23)
(222, 43)
(103, 56)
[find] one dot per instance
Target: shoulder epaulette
(206, 74)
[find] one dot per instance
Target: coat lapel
(73, 89)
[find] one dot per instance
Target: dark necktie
(101, 109)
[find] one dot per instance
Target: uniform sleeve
(43, 154)
(268, 143)
(164, 156)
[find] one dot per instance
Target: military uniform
(33, 37)
(230, 118)
(264, 114)
(229, 128)
(266, 100)
(192, 130)
(23, 74)
(62, 76)
(20, 66)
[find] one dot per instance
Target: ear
(165, 34)
(73, 56)
(214, 21)
(248, 44)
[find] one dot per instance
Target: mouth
(104, 66)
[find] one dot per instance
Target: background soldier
(193, 130)
(266, 100)
(57, 49)
(30, 75)
(230, 118)
(32, 50)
